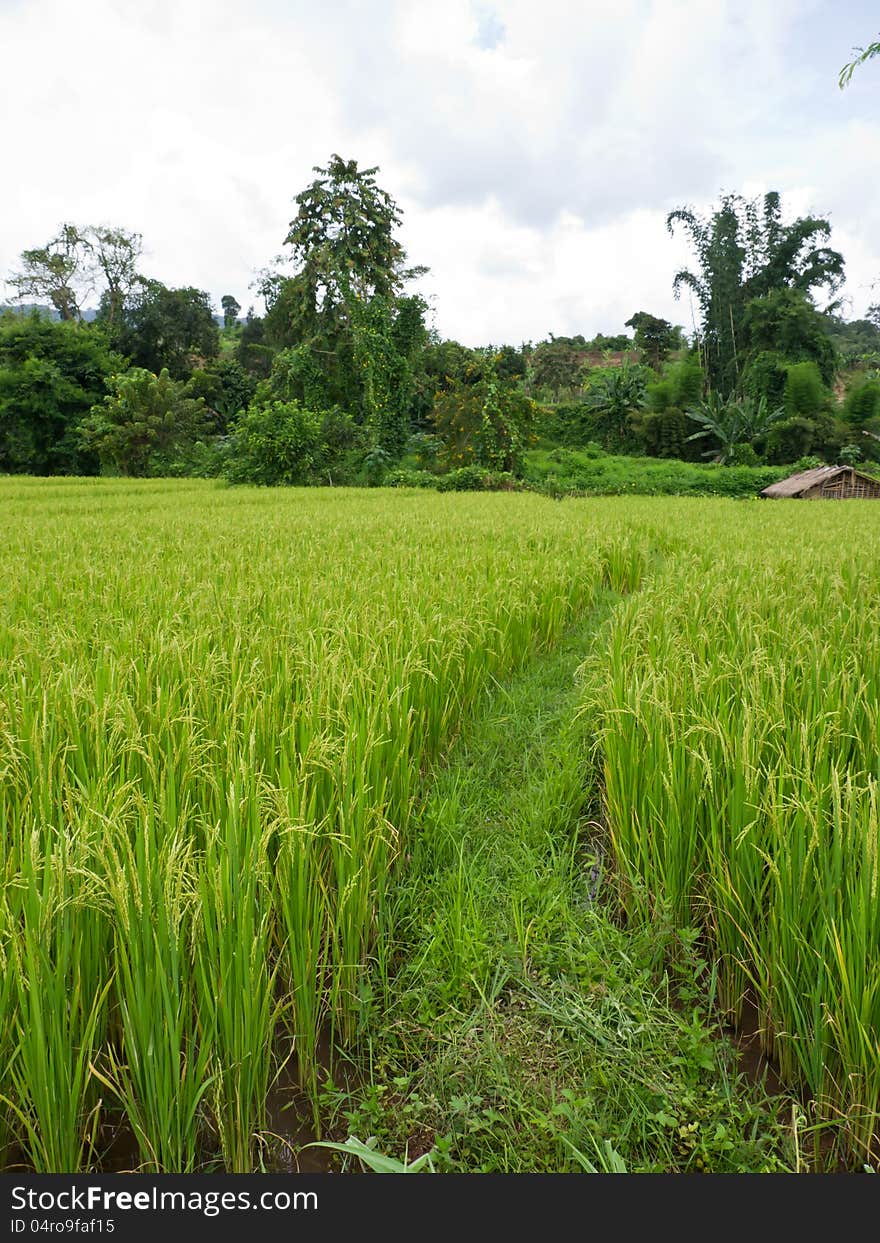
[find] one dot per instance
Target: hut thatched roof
(794, 485)
(803, 481)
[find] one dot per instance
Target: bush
(862, 403)
(578, 475)
(404, 478)
(805, 395)
(789, 440)
(765, 376)
(476, 479)
(146, 426)
(276, 443)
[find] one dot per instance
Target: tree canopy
(745, 251)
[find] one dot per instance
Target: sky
(534, 149)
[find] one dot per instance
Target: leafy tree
(225, 387)
(744, 252)
(53, 272)
(614, 396)
(655, 338)
(342, 242)
(75, 263)
(145, 425)
(664, 428)
(555, 367)
(275, 443)
(733, 422)
(786, 323)
(385, 339)
(343, 310)
(167, 329)
(113, 256)
(484, 421)
(510, 362)
(230, 310)
(253, 351)
(790, 440)
(605, 344)
(51, 374)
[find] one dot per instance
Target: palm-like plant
(614, 397)
(733, 421)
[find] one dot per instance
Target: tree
(285, 443)
(145, 425)
(555, 367)
(55, 272)
(862, 402)
(230, 310)
(614, 396)
(253, 351)
(656, 338)
(226, 389)
(343, 243)
(349, 271)
(78, 262)
(50, 376)
(171, 329)
(483, 420)
(114, 255)
(785, 322)
(744, 251)
(387, 335)
(733, 422)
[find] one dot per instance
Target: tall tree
(343, 312)
(230, 310)
(343, 244)
(55, 272)
(113, 255)
(744, 251)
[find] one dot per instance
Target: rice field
(220, 711)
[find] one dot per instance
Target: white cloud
(534, 149)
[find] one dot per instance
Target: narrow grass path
(514, 1026)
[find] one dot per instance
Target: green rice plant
(162, 1067)
(234, 977)
(740, 752)
(54, 982)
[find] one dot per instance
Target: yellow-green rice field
(220, 710)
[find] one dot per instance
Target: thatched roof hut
(827, 483)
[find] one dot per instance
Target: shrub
(401, 477)
(862, 403)
(805, 394)
(147, 425)
(789, 440)
(276, 443)
(475, 479)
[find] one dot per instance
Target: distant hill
(27, 308)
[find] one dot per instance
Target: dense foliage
(342, 380)
(51, 374)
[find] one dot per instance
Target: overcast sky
(534, 148)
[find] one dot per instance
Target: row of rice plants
(217, 710)
(741, 744)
